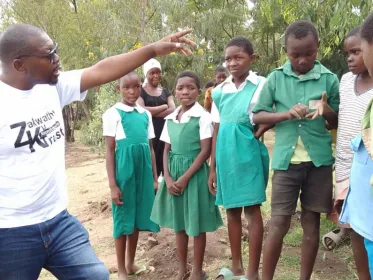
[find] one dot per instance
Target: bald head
(17, 40)
(132, 73)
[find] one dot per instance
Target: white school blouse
(112, 121)
(205, 122)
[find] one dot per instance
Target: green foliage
(332, 18)
(90, 30)
(91, 132)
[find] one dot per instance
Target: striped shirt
(351, 110)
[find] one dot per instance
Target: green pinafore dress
(242, 161)
(134, 176)
(193, 211)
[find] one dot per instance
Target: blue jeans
(60, 245)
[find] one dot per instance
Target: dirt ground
(90, 202)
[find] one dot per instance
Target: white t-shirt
(351, 111)
(205, 122)
(112, 122)
(228, 87)
(32, 150)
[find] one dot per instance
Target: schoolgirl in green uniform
(132, 173)
(183, 201)
(239, 161)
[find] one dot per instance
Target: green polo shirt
(282, 90)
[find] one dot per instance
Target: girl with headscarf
(159, 102)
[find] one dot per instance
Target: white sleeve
(255, 98)
(110, 121)
(165, 137)
(68, 87)
(151, 133)
(206, 128)
(215, 113)
(344, 88)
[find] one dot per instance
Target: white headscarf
(150, 64)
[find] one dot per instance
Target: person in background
(220, 75)
(159, 102)
(209, 84)
(356, 91)
(358, 207)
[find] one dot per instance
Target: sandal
(143, 270)
(228, 274)
(335, 237)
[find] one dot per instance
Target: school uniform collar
(314, 74)
(196, 111)
(126, 108)
(252, 78)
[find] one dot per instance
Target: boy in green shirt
(306, 98)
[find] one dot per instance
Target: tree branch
(150, 17)
(226, 32)
(75, 6)
(195, 4)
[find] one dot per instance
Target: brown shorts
(315, 185)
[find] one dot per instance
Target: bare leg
(360, 256)
(310, 242)
(279, 226)
(235, 232)
(199, 253)
(132, 239)
(120, 249)
(182, 253)
(254, 216)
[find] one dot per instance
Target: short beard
(53, 83)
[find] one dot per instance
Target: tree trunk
(275, 54)
(86, 111)
(68, 122)
(267, 48)
(143, 37)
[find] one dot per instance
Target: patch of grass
(288, 276)
(326, 225)
(344, 253)
(294, 236)
(291, 262)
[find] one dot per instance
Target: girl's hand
(116, 195)
(156, 185)
(212, 182)
(182, 183)
(172, 189)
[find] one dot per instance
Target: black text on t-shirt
(36, 131)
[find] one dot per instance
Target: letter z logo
(31, 140)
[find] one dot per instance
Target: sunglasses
(51, 55)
